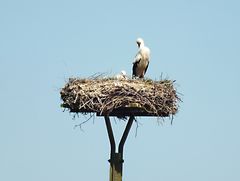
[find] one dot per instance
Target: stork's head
(140, 42)
(123, 72)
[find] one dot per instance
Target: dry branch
(109, 96)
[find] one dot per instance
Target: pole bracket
(116, 158)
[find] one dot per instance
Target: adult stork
(141, 60)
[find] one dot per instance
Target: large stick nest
(109, 96)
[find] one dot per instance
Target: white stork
(141, 60)
(122, 75)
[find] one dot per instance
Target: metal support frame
(116, 158)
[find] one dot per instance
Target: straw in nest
(109, 96)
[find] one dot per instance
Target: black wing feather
(134, 68)
(146, 68)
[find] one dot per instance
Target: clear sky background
(43, 43)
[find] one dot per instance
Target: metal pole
(110, 135)
(125, 134)
(116, 159)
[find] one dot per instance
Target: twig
(136, 129)
(80, 125)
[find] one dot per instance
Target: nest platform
(121, 98)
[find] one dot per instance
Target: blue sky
(42, 43)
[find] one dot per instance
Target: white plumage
(122, 75)
(141, 60)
